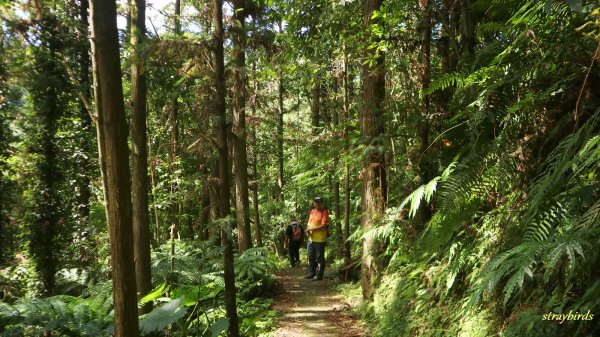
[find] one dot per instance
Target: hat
(318, 199)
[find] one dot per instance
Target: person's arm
(308, 229)
(287, 236)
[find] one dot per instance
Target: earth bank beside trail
(309, 308)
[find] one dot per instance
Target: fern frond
(540, 229)
(591, 217)
(445, 81)
(567, 246)
(426, 191)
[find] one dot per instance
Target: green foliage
(162, 316)
(511, 235)
(89, 315)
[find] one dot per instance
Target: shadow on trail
(311, 308)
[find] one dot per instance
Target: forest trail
(309, 308)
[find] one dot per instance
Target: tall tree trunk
(467, 29)
(86, 122)
(336, 161)
(219, 67)
(173, 122)
(139, 155)
(153, 186)
(215, 203)
(242, 204)
(281, 112)
(425, 166)
(315, 105)
(45, 92)
(444, 41)
(374, 180)
(447, 42)
(114, 162)
(347, 89)
(5, 240)
(204, 217)
(257, 231)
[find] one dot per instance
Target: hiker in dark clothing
(293, 239)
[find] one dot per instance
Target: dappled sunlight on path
(311, 308)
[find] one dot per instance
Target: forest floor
(309, 308)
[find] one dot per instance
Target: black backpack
(296, 232)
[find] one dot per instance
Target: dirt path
(311, 308)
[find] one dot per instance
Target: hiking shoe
(317, 278)
(309, 277)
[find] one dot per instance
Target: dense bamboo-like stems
(242, 204)
(114, 162)
(374, 176)
(219, 67)
(139, 155)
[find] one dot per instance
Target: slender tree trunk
(347, 85)
(215, 203)
(315, 106)
(468, 30)
(242, 204)
(374, 180)
(45, 92)
(454, 32)
(5, 240)
(219, 67)
(86, 122)
(447, 59)
(114, 163)
(281, 112)
(204, 217)
(257, 231)
(336, 163)
(444, 41)
(173, 148)
(425, 166)
(139, 155)
(153, 186)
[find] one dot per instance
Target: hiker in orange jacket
(317, 230)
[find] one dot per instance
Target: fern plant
(61, 315)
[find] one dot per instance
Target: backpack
(296, 232)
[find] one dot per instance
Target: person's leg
(297, 252)
(294, 247)
(291, 252)
(312, 263)
(320, 259)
